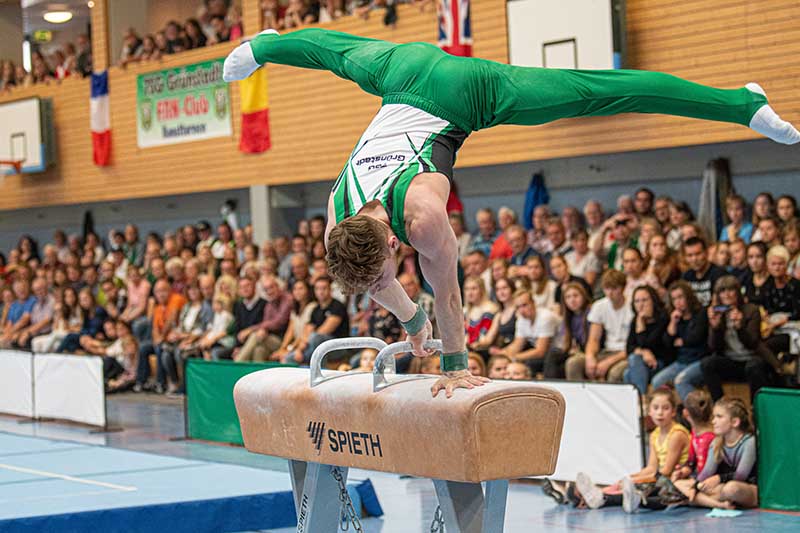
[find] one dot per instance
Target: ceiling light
(90, 3)
(58, 17)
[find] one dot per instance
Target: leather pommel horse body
(390, 423)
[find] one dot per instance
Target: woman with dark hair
(501, 332)
(28, 248)
(662, 263)
(647, 352)
(687, 335)
(576, 302)
(738, 353)
(93, 317)
(195, 38)
(299, 318)
(786, 208)
(757, 264)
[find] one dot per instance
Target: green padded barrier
(778, 416)
(210, 411)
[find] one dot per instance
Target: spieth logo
(350, 442)
(315, 431)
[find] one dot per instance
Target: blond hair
(357, 249)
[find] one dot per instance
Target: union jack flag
(455, 29)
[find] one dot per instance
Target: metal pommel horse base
(325, 424)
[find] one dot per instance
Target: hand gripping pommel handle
(385, 362)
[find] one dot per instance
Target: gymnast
(395, 184)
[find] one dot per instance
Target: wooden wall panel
(316, 118)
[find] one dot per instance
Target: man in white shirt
(534, 335)
(609, 321)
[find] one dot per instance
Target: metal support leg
(494, 513)
(316, 496)
(465, 509)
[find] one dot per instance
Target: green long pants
(474, 94)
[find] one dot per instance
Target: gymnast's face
(389, 270)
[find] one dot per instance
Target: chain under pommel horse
(325, 424)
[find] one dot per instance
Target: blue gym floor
(57, 470)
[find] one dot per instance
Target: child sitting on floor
(669, 447)
(728, 478)
(697, 411)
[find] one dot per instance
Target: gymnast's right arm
(353, 58)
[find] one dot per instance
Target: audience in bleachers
(73, 59)
(546, 300)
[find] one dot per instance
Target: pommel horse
(325, 424)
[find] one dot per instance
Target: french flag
(455, 29)
(100, 119)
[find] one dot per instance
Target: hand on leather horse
(459, 379)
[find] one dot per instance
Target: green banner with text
(183, 104)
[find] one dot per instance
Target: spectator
(329, 320)
(217, 342)
(497, 366)
(559, 269)
(84, 57)
(92, 317)
(462, 236)
(163, 317)
(266, 338)
(195, 38)
(575, 305)
(595, 222)
(64, 322)
(581, 259)
(520, 250)
(729, 476)
(534, 337)
(300, 270)
(138, 292)
(272, 15)
(537, 236)
(19, 314)
(475, 265)
(411, 285)
(487, 232)
(679, 214)
(619, 227)
(609, 320)
(518, 371)
(479, 311)
(769, 231)
(701, 274)
(298, 14)
(687, 334)
(384, 325)
(791, 240)
(476, 365)
(126, 379)
(543, 289)
(182, 341)
(302, 306)
(222, 34)
(501, 332)
(738, 353)
(557, 238)
(248, 313)
(647, 352)
(643, 202)
(41, 315)
(635, 274)
(648, 228)
(781, 301)
(758, 275)
(572, 220)
(786, 208)
(738, 262)
(7, 80)
(150, 50)
(763, 207)
(131, 47)
(663, 264)
(739, 227)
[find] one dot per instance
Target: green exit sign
(42, 36)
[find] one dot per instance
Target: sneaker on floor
(159, 388)
(591, 493)
(631, 499)
(138, 388)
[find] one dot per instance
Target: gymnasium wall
(722, 42)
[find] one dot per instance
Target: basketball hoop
(16, 165)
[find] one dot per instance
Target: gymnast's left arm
(438, 258)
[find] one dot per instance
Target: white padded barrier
(70, 387)
(16, 383)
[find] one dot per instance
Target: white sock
(767, 122)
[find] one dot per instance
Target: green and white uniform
(432, 101)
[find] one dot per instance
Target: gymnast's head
(362, 254)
